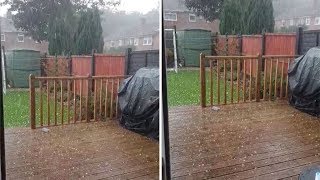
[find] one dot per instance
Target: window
(20, 37)
(317, 21)
(170, 16)
(283, 22)
(147, 41)
(192, 18)
(308, 21)
(291, 22)
(112, 44)
(120, 42)
(3, 37)
(136, 41)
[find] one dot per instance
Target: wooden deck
(88, 151)
(267, 140)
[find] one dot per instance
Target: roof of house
(7, 25)
(174, 5)
(290, 9)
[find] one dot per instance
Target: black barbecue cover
(304, 82)
(139, 102)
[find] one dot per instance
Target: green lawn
(16, 109)
(184, 88)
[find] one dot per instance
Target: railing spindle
(244, 80)
(68, 99)
(74, 101)
(281, 80)
(81, 94)
(55, 102)
(95, 101)
(276, 80)
(106, 100)
(218, 81)
(118, 85)
(41, 103)
(61, 105)
(270, 85)
(231, 80)
(112, 96)
(211, 83)
(265, 79)
(100, 100)
(48, 102)
(238, 79)
(250, 81)
(225, 80)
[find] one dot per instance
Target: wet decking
(267, 140)
(81, 151)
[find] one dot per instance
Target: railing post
(258, 78)
(202, 80)
(32, 101)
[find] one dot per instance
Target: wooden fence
(237, 79)
(57, 102)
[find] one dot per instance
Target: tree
(89, 33)
(231, 17)
(236, 16)
(209, 9)
(54, 21)
(261, 17)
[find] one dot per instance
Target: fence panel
(107, 65)
(309, 40)
(57, 102)
(55, 66)
(228, 45)
(139, 59)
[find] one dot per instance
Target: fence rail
(238, 79)
(69, 100)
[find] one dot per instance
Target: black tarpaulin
(139, 102)
(304, 82)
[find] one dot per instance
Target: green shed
(192, 42)
(20, 64)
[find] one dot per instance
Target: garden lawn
(184, 88)
(16, 109)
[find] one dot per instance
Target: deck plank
(266, 140)
(101, 150)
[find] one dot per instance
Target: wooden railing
(68, 100)
(238, 79)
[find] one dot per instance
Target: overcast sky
(142, 6)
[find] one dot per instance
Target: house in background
(13, 39)
(294, 13)
(176, 14)
(144, 36)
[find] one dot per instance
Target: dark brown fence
(57, 101)
(139, 59)
(236, 79)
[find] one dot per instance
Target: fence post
(127, 61)
(202, 80)
(240, 44)
(263, 48)
(258, 79)
(227, 45)
(93, 64)
(32, 101)
(69, 64)
(299, 36)
(55, 64)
